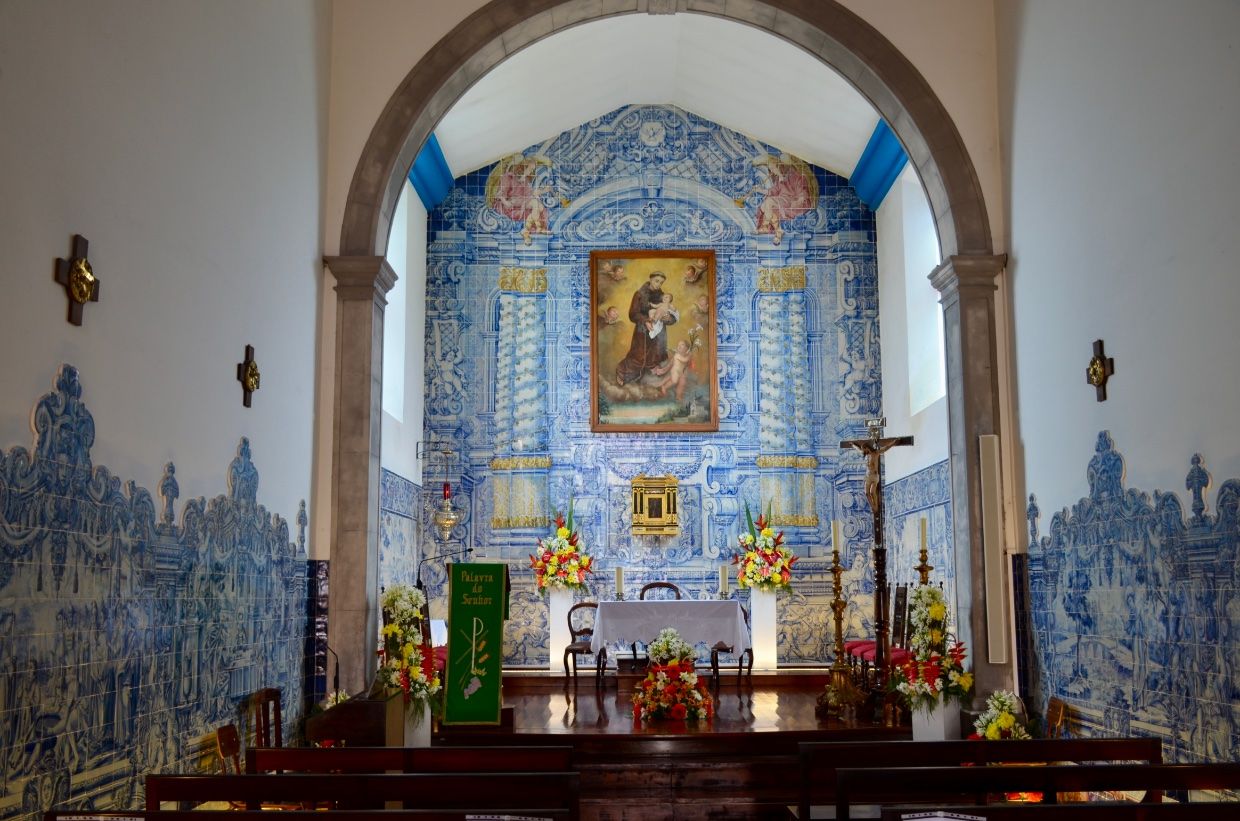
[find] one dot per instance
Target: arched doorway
(838, 37)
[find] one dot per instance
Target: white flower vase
(763, 625)
(940, 724)
(559, 600)
(418, 724)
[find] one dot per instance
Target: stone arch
(825, 29)
(966, 279)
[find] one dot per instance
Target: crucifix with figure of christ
(873, 449)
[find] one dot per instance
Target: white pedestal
(407, 725)
(763, 628)
(418, 724)
(940, 724)
(559, 601)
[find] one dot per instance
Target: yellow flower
(768, 533)
(936, 636)
(390, 629)
(938, 612)
(992, 731)
(562, 533)
(966, 680)
(1006, 720)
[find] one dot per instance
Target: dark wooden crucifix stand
(873, 449)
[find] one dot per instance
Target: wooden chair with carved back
(580, 635)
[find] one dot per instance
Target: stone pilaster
(362, 283)
(967, 285)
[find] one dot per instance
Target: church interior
(289, 280)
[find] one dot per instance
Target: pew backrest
(1089, 811)
(408, 759)
(897, 785)
(819, 761)
(359, 791)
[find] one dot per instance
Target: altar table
(697, 621)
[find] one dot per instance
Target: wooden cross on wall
(248, 375)
(1099, 371)
(79, 280)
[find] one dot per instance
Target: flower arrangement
(560, 560)
(672, 688)
(934, 671)
(1001, 718)
(405, 663)
(762, 561)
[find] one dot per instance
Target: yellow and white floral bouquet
(405, 663)
(1001, 718)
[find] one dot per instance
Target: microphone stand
(463, 552)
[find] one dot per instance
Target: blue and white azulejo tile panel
(128, 635)
(1135, 610)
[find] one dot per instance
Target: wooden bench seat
(942, 785)
(497, 792)
(483, 759)
(819, 761)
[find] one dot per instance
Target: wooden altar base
(743, 764)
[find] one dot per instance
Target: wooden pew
(1092, 811)
(941, 785)
(408, 759)
(820, 760)
(543, 814)
(505, 792)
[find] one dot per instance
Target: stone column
(967, 287)
(362, 283)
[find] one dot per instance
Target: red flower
(679, 711)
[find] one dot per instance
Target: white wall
(1120, 139)
(407, 256)
(905, 229)
(187, 142)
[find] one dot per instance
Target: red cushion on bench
(856, 648)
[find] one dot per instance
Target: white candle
(835, 534)
(923, 532)
(723, 580)
(619, 582)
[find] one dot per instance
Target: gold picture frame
(652, 341)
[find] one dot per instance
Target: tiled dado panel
(127, 635)
(508, 362)
(399, 518)
(1135, 611)
(925, 494)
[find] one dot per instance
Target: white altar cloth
(697, 621)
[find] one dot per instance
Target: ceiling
(737, 76)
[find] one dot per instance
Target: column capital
(362, 277)
(967, 271)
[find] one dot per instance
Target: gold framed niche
(656, 509)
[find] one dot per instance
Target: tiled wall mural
(507, 341)
(925, 494)
(125, 636)
(399, 517)
(1135, 611)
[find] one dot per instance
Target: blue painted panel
(879, 166)
(126, 638)
(430, 175)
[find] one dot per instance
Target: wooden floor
(759, 703)
(741, 765)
